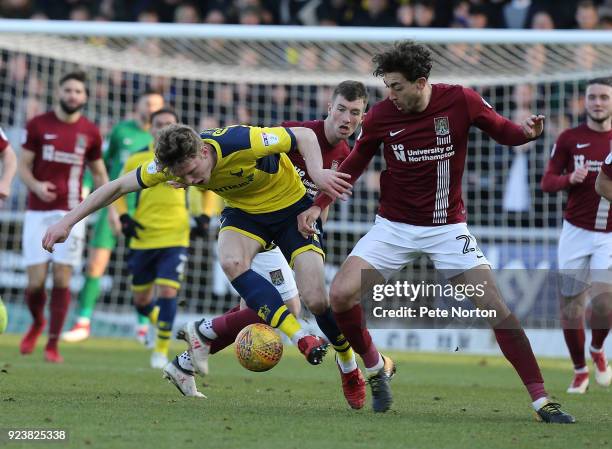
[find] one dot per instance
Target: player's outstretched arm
(603, 185)
(331, 182)
(100, 198)
(8, 161)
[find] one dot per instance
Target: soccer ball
(258, 347)
(3, 317)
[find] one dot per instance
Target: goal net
(220, 75)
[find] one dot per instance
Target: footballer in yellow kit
(158, 234)
(247, 167)
(258, 182)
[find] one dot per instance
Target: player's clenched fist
(578, 175)
(56, 233)
(307, 219)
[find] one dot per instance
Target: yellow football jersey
(162, 210)
(252, 172)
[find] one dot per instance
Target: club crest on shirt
(441, 125)
(334, 165)
(277, 278)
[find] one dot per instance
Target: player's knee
(295, 306)
(167, 292)
(341, 297)
(234, 266)
(98, 263)
(36, 285)
(317, 307)
(142, 299)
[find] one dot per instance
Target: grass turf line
(106, 397)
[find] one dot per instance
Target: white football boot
(182, 379)
(199, 346)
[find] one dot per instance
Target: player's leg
(100, 252)
(37, 262)
(142, 265)
(169, 275)
(447, 249)
(601, 305)
(272, 266)
(310, 278)
(374, 259)
(573, 255)
(241, 237)
(66, 257)
(601, 316)
(236, 252)
(35, 297)
(58, 308)
(572, 311)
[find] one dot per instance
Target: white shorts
(273, 266)
(584, 256)
(35, 225)
(389, 246)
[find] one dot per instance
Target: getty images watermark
(539, 298)
(389, 298)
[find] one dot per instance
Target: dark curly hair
(175, 144)
(407, 57)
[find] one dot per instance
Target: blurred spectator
(461, 14)
(516, 12)
(186, 13)
(424, 13)
(405, 15)
(215, 16)
(478, 17)
(166, 9)
(16, 9)
(309, 59)
(250, 15)
(262, 7)
(542, 21)
(148, 16)
(80, 12)
(605, 17)
(585, 57)
(535, 58)
(523, 96)
(334, 12)
(375, 13)
(587, 16)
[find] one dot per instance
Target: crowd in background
(536, 14)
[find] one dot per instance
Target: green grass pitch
(105, 396)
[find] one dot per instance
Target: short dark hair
(77, 75)
(406, 57)
(605, 80)
(164, 111)
(175, 144)
(351, 90)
